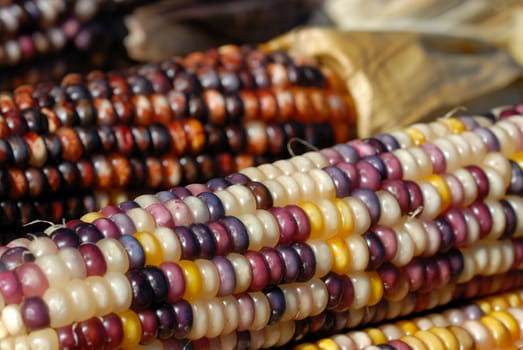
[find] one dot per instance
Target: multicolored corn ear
(305, 251)
(156, 126)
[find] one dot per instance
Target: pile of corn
(243, 245)
(75, 146)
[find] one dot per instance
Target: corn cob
(485, 323)
(186, 120)
(286, 251)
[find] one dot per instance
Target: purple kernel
(16, 256)
(184, 319)
(166, 321)
(415, 273)
(388, 240)
(275, 263)
(457, 221)
(214, 205)
(180, 192)
(307, 267)
(334, 285)
(142, 291)
(439, 163)
(205, 240)
(379, 147)
(469, 122)
(222, 239)
(134, 251)
(473, 311)
(363, 149)
(164, 196)
(447, 234)
(107, 228)
(277, 303)
(150, 325)
(378, 164)
(237, 178)
(260, 270)
(511, 219)
(347, 152)
(162, 216)
(400, 191)
(516, 179)
(188, 242)
(90, 333)
(35, 313)
(389, 141)
(376, 250)
(291, 261)
(65, 237)
(158, 283)
(393, 168)
(124, 223)
(128, 205)
(340, 180)
(88, 233)
(237, 232)
(489, 139)
(286, 223)
(481, 180)
(415, 195)
(94, 260)
(113, 330)
(218, 184)
(226, 274)
(303, 226)
(371, 201)
(370, 178)
(175, 279)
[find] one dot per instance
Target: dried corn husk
(399, 78)
(499, 22)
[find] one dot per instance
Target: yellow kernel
(509, 322)
(376, 335)
(408, 327)
(518, 158)
(315, 219)
(376, 288)
(132, 329)
(327, 344)
(151, 246)
(417, 136)
(414, 342)
(499, 332)
(431, 340)
(485, 306)
(443, 189)
(347, 217)
(447, 337)
(90, 217)
(455, 125)
(193, 280)
(341, 255)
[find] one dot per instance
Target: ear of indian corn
(318, 244)
(152, 127)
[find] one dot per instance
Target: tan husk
(399, 78)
